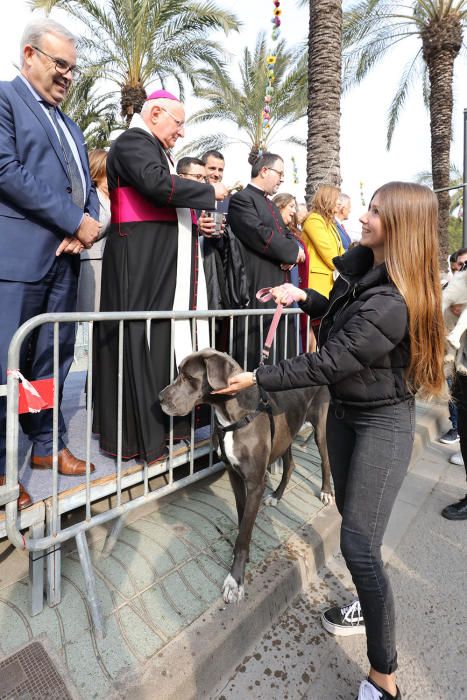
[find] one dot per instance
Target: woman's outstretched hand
(237, 383)
(286, 294)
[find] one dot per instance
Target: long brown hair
(409, 215)
(324, 202)
(281, 200)
(97, 165)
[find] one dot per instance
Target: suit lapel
(80, 145)
(26, 95)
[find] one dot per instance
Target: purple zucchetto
(162, 95)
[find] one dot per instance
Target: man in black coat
(151, 263)
(270, 252)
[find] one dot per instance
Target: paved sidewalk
(297, 660)
(168, 632)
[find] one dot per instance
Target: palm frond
(133, 42)
(409, 75)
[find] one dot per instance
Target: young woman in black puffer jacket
(380, 341)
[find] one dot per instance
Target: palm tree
(372, 28)
(134, 42)
(324, 94)
(242, 104)
(456, 204)
(95, 114)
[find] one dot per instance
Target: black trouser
(459, 394)
(369, 451)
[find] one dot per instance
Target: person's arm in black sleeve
(315, 305)
(373, 332)
(138, 160)
(257, 236)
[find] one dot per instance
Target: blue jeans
(369, 450)
(452, 406)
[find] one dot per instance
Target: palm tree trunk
(324, 94)
(132, 100)
(442, 41)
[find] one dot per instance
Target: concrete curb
(198, 661)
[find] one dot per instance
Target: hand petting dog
(237, 383)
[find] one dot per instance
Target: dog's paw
(231, 591)
(270, 500)
(326, 498)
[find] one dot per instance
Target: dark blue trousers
(20, 301)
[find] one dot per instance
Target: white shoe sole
(341, 630)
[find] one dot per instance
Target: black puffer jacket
(364, 340)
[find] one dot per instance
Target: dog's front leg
(233, 588)
(326, 494)
(239, 488)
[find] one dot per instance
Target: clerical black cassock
(151, 263)
(256, 222)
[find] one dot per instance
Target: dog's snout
(165, 402)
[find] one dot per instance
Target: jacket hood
(355, 262)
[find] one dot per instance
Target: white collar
(137, 122)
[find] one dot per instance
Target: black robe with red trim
(139, 274)
(257, 223)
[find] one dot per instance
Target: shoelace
(368, 691)
(352, 613)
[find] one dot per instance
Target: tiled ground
(165, 571)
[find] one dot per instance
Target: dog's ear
(219, 367)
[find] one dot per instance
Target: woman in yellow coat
(322, 240)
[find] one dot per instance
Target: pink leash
(265, 295)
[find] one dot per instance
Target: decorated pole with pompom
(271, 61)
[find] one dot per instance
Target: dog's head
(198, 375)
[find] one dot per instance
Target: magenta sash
(127, 205)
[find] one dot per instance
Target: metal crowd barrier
(13, 522)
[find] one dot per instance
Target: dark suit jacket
(345, 238)
(36, 210)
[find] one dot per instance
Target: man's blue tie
(77, 192)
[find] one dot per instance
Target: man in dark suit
(270, 252)
(48, 214)
(342, 214)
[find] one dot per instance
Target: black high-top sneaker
(345, 621)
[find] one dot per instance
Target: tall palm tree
(373, 27)
(134, 42)
(324, 94)
(241, 104)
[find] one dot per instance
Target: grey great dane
(253, 431)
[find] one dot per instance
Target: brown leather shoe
(68, 464)
(24, 499)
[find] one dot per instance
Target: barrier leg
(90, 582)
(113, 536)
(36, 572)
(54, 564)
(276, 467)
